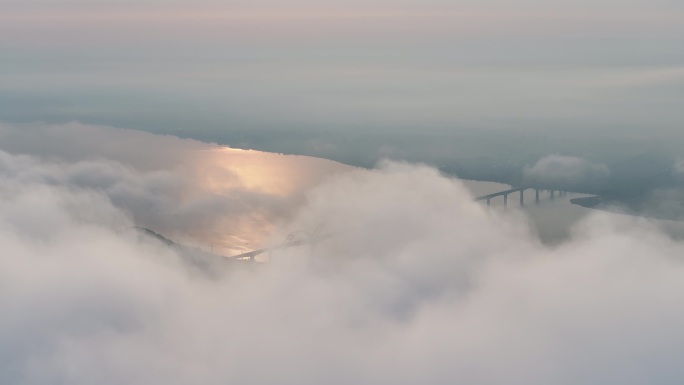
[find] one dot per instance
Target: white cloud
(678, 169)
(566, 172)
(421, 285)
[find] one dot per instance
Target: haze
(308, 77)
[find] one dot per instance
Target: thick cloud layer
(419, 285)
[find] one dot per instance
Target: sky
(308, 77)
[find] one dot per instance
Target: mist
(420, 284)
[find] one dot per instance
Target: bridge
(521, 190)
(290, 241)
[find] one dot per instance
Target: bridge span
(289, 242)
(521, 190)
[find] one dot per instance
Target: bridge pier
(505, 200)
(522, 198)
(536, 196)
(489, 202)
(553, 194)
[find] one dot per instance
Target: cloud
(419, 285)
(209, 195)
(566, 172)
(678, 169)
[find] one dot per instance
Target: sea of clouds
(418, 285)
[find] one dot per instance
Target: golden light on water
(226, 169)
(266, 187)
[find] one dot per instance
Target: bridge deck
(254, 253)
(501, 193)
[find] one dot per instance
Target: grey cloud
(678, 168)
